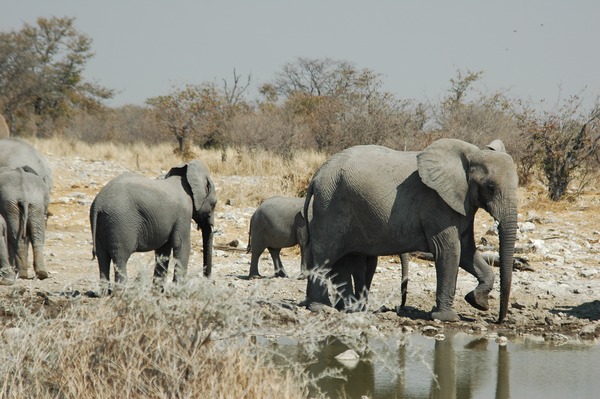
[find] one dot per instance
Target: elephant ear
(496, 145)
(443, 167)
(197, 177)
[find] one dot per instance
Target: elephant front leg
(446, 266)
(475, 264)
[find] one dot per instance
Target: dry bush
(190, 343)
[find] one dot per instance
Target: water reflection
(459, 366)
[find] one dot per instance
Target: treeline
(321, 104)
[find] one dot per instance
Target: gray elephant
(7, 272)
(377, 201)
(277, 223)
(15, 152)
(135, 214)
(24, 200)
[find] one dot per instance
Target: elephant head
(468, 178)
(204, 198)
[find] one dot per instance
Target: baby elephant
(277, 223)
(24, 200)
(135, 214)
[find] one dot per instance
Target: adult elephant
(24, 201)
(16, 153)
(135, 214)
(375, 201)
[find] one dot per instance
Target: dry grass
(188, 343)
(279, 176)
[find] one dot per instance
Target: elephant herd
(362, 203)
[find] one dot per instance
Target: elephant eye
(490, 187)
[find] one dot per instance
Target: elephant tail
(309, 194)
(249, 247)
(23, 212)
(93, 220)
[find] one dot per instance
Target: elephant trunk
(507, 232)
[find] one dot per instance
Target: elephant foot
(281, 273)
(444, 315)
(254, 276)
(478, 299)
(23, 275)
(41, 274)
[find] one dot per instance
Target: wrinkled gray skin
(24, 200)
(360, 269)
(277, 223)
(135, 214)
(7, 272)
(376, 201)
(15, 152)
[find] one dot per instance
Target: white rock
(526, 227)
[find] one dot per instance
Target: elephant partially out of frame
(133, 213)
(24, 200)
(375, 201)
(277, 223)
(15, 153)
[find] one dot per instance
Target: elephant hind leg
(161, 266)
(38, 258)
(257, 251)
(275, 255)
(21, 258)
(104, 269)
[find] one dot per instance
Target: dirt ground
(557, 292)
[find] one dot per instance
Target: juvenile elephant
(277, 223)
(7, 272)
(376, 201)
(24, 200)
(135, 214)
(15, 152)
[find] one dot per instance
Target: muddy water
(459, 366)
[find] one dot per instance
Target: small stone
(502, 341)
(526, 227)
(589, 331)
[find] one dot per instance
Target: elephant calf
(24, 200)
(135, 214)
(277, 223)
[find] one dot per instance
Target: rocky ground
(555, 293)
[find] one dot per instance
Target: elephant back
(15, 153)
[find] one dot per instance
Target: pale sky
(532, 50)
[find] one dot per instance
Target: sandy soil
(558, 292)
